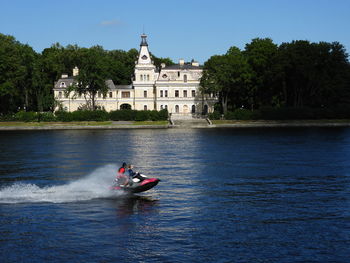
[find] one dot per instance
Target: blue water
(226, 195)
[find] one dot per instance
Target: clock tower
(144, 78)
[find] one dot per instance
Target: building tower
(145, 76)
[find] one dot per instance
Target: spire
(143, 40)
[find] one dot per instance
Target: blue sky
(177, 29)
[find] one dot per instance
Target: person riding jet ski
(133, 174)
(122, 178)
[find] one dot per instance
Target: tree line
(299, 74)
(27, 77)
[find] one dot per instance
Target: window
(193, 109)
(145, 93)
(147, 77)
(141, 77)
(185, 93)
(144, 107)
(125, 106)
(161, 107)
(125, 94)
(99, 94)
(178, 73)
(176, 93)
(63, 85)
(166, 107)
(177, 109)
(193, 93)
(161, 93)
(185, 78)
(166, 93)
(60, 94)
(111, 94)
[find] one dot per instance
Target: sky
(187, 29)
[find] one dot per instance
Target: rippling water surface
(231, 195)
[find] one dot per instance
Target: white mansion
(174, 87)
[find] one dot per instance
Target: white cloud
(113, 22)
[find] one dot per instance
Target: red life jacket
(121, 170)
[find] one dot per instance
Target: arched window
(141, 77)
(125, 106)
(193, 109)
(144, 107)
(147, 77)
(205, 110)
(185, 78)
(177, 108)
(145, 93)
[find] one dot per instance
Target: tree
(261, 56)
(16, 70)
(92, 75)
(229, 76)
(313, 74)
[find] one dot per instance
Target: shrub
(7, 117)
(122, 115)
(142, 116)
(86, 115)
(26, 116)
(63, 116)
(242, 114)
(216, 115)
(46, 116)
(163, 115)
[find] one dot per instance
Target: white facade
(174, 87)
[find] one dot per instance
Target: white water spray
(95, 185)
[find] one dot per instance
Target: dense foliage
(87, 115)
(294, 77)
(265, 79)
(27, 77)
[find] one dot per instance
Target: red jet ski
(139, 184)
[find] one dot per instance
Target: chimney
(181, 62)
(64, 76)
(195, 63)
(75, 71)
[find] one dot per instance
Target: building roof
(123, 86)
(181, 67)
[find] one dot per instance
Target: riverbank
(91, 125)
(85, 125)
(280, 124)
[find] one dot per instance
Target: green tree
(16, 72)
(313, 74)
(92, 75)
(261, 56)
(229, 76)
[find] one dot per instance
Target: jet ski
(139, 184)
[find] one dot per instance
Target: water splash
(95, 185)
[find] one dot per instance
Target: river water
(226, 195)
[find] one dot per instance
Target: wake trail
(95, 185)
